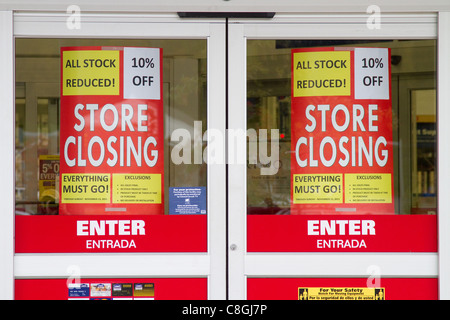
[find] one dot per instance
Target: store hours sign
(111, 138)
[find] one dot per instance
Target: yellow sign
(317, 188)
(85, 188)
(136, 188)
(48, 182)
(368, 188)
(48, 175)
(323, 73)
(341, 293)
(90, 72)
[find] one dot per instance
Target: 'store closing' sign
(342, 160)
(111, 141)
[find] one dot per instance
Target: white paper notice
(141, 76)
(372, 79)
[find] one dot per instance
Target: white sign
(372, 79)
(141, 76)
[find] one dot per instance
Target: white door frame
(443, 118)
(243, 265)
(7, 174)
(210, 265)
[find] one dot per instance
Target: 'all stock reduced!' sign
(341, 131)
(111, 141)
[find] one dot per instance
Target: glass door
(333, 144)
(117, 192)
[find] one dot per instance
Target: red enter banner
(342, 233)
(140, 233)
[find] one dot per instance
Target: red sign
(341, 122)
(73, 234)
(111, 138)
(342, 233)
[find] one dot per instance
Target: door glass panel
(42, 119)
(289, 201)
(424, 182)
